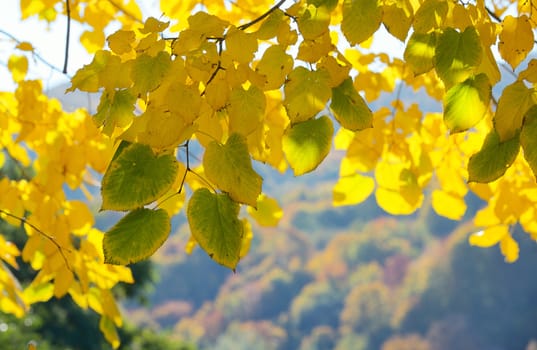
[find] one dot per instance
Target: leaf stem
(262, 17)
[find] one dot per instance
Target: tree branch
(127, 13)
(68, 10)
(262, 17)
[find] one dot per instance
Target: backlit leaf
(18, 65)
(361, 19)
(313, 22)
(306, 93)
(137, 177)
(397, 18)
(419, 51)
(274, 67)
(136, 236)
(116, 109)
(430, 15)
(489, 237)
(87, 77)
(215, 225)
(528, 139)
(246, 109)
(509, 248)
(229, 167)
(449, 205)
(493, 159)
(241, 46)
(121, 41)
(349, 107)
(306, 144)
(106, 326)
(267, 213)
(147, 71)
(475, 92)
(352, 190)
(513, 104)
(516, 39)
(457, 55)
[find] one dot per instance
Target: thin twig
(187, 167)
(68, 10)
(35, 54)
(493, 14)
(263, 16)
(47, 236)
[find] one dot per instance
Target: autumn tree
(191, 102)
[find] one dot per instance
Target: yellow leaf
(207, 25)
(489, 237)
(92, 41)
(35, 293)
(352, 190)
(313, 50)
(18, 65)
(246, 239)
(430, 15)
(448, 205)
(509, 248)
(516, 39)
(62, 282)
(397, 18)
(274, 67)
(313, 22)
(25, 46)
(79, 217)
(268, 212)
(153, 25)
(393, 201)
(121, 41)
(419, 52)
(241, 46)
(530, 73)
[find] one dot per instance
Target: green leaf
(493, 159)
(349, 107)
(513, 104)
(474, 92)
(115, 109)
(419, 52)
(313, 22)
(137, 177)
(214, 223)
(306, 144)
(329, 4)
(306, 93)
(136, 236)
(528, 138)
(361, 19)
(457, 55)
(229, 166)
(148, 72)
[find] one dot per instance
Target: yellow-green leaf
(87, 77)
(528, 138)
(493, 159)
(474, 92)
(229, 166)
(306, 144)
(136, 236)
(313, 22)
(513, 104)
(430, 15)
(306, 93)
(349, 107)
(137, 177)
(246, 109)
(214, 223)
(457, 55)
(121, 41)
(516, 39)
(268, 212)
(148, 72)
(352, 190)
(361, 19)
(419, 51)
(116, 109)
(397, 18)
(107, 327)
(241, 46)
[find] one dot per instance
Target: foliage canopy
(234, 83)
